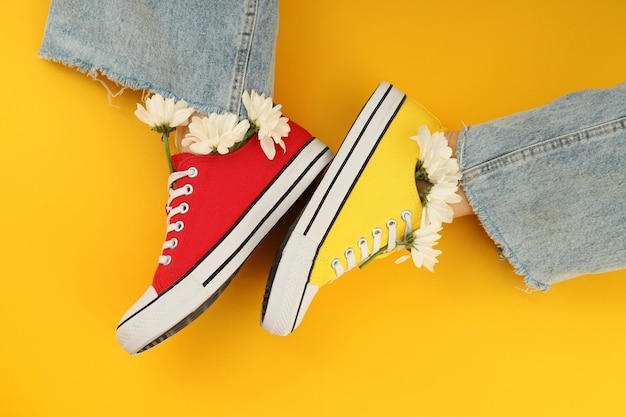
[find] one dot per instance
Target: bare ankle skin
(462, 208)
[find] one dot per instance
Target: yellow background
(82, 224)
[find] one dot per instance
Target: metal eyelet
(184, 208)
(192, 172)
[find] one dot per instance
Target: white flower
(267, 118)
(437, 208)
(437, 167)
(442, 171)
(215, 133)
(164, 114)
(421, 247)
(436, 156)
(436, 214)
(256, 104)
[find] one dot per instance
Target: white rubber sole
(154, 318)
(289, 291)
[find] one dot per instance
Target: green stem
(373, 256)
(420, 172)
(166, 143)
(406, 243)
(253, 129)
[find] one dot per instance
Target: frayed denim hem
(94, 71)
(214, 53)
(504, 250)
(547, 185)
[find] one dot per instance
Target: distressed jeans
(205, 52)
(549, 185)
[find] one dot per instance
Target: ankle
(453, 138)
(462, 208)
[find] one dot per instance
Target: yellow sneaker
(366, 205)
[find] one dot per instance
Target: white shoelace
(182, 208)
(362, 244)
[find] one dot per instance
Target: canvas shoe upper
(219, 209)
(366, 203)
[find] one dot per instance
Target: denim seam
(243, 56)
(474, 172)
(543, 147)
(537, 149)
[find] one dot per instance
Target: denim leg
(205, 52)
(549, 185)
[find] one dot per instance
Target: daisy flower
(164, 115)
(421, 247)
(215, 133)
(267, 120)
(437, 167)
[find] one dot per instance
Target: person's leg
(215, 55)
(548, 185)
(206, 53)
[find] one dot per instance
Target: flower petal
(163, 114)
(181, 114)
(154, 106)
(267, 145)
(143, 115)
(402, 259)
(219, 132)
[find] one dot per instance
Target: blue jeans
(549, 185)
(205, 52)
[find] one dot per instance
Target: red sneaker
(220, 208)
